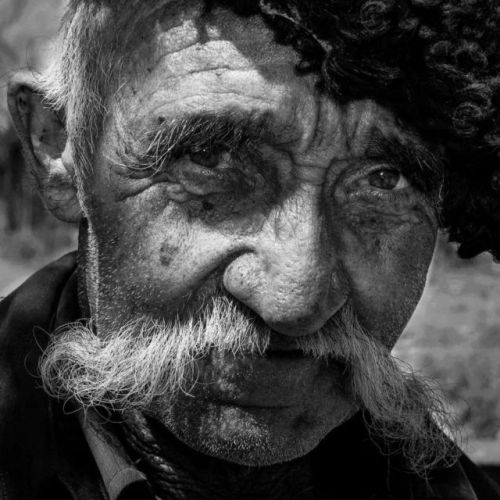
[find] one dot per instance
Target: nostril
(242, 277)
(299, 318)
(291, 303)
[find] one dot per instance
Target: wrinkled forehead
(187, 40)
(183, 24)
(194, 60)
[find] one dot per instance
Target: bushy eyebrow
(236, 130)
(423, 165)
(168, 139)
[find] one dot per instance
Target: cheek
(155, 252)
(139, 241)
(386, 260)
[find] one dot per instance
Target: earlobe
(45, 147)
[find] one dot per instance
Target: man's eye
(388, 179)
(207, 157)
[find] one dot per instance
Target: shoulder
(484, 487)
(462, 481)
(25, 317)
(33, 303)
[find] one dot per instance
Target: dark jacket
(44, 454)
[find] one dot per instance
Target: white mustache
(128, 369)
(148, 358)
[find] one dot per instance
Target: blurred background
(454, 337)
(29, 236)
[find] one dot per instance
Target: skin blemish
(189, 219)
(167, 253)
(176, 192)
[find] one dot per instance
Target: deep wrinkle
(299, 260)
(285, 250)
(167, 141)
(242, 136)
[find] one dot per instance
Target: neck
(178, 472)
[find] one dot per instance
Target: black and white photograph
(249, 249)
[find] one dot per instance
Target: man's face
(266, 191)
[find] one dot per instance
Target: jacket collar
(118, 472)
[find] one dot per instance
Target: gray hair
(129, 368)
(95, 43)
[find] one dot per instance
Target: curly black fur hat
(435, 63)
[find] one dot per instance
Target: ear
(45, 147)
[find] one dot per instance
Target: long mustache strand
(128, 369)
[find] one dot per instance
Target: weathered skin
(297, 232)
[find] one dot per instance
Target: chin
(251, 436)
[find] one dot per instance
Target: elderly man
(258, 187)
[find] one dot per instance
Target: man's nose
(290, 275)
